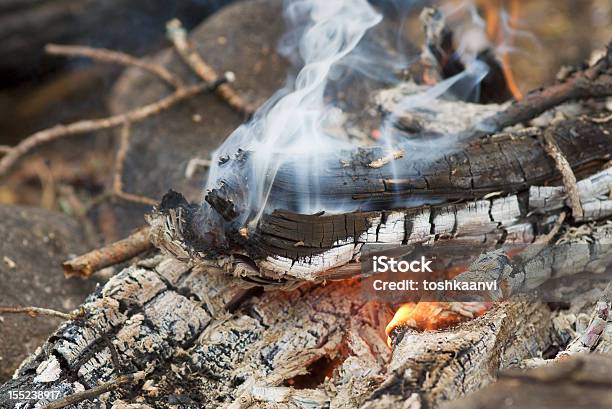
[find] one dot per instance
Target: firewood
(437, 366)
(114, 253)
(172, 320)
(477, 365)
(269, 253)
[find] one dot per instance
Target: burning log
(403, 192)
(200, 338)
(287, 246)
(183, 332)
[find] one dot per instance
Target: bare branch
(90, 125)
(101, 54)
(593, 82)
(35, 311)
(96, 391)
(122, 151)
(178, 35)
(114, 253)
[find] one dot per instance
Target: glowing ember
(434, 315)
(439, 315)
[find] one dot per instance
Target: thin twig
(130, 197)
(96, 391)
(102, 54)
(80, 127)
(593, 82)
(114, 253)
(124, 144)
(35, 311)
(567, 174)
(601, 120)
(178, 35)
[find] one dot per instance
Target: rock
(132, 25)
(241, 38)
(579, 382)
(34, 244)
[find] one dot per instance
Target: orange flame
(439, 315)
(497, 34)
(434, 315)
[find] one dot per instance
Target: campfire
(389, 229)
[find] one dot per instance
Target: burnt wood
(311, 246)
(348, 179)
(203, 341)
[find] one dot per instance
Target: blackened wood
(289, 245)
(596, 81)
(171, 320)
(505, 164)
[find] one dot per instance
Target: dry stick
(80, 127)
(601, 120)
(114, 253)
(178, 35)
(567, 174)
(96, 391)
(118, 171)
(34, 311)
(593, 82)
(101, 54)
(124, 139)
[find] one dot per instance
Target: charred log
(287, 245)
(172, 322)
(354, 180)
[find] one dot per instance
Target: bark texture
(288, 247)
(203, 341)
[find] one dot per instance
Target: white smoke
(290, 124)
(292, 128)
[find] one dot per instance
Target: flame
(439, 315)
(434, 315)
(499, 35)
